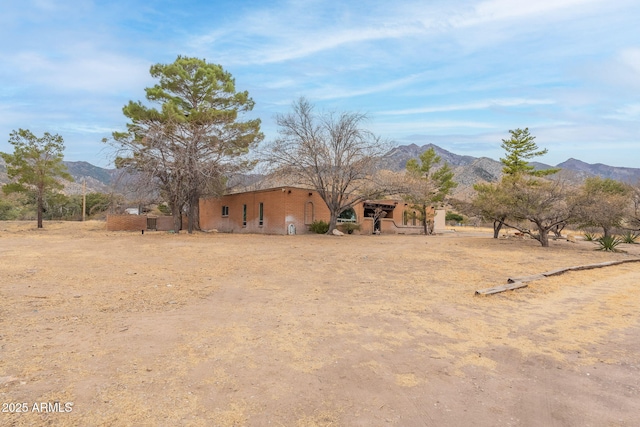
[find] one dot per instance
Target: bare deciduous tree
(545, 203)
(490, 203)
(602, 203)
(634, 217)
(331, 153)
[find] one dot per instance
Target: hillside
(97, 179)
(468, 170)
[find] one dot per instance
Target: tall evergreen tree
(195, 139)
(520, 148)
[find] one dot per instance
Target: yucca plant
(609, 243)
(630, 237)
(589, 237)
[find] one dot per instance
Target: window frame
(244, 215)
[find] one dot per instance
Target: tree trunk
(194, 214)
(557, 230)
(40, 198)
(177, 222)
(497, 226)
(607, 231)
(543, 237)
(333, 221)
(190, 219)
(424, 220)
(176, 213)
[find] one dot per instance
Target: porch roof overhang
(374, 205)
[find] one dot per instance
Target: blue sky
(457, 73)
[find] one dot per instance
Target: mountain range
(467, 169)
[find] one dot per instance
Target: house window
(261, 214)
(225, 211)
(347, 215)
(244, 215)
(308, 213)
(409, 217)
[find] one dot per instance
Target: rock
(337, 232)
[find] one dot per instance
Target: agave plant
(589, 237)
(630, 237)
(609, 243)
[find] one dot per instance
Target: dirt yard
(105, 328)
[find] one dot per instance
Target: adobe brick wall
(126, 222)
(282, 206)
(139, 222)
(165, 223)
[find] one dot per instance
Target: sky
(456, 73)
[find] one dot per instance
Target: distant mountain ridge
(97, 179)
(467, 169)
(396, 158)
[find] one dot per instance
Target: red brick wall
(126, 222)
(165, 223)
(139, 222)
(282, 206)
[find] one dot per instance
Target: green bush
(450, 216)
(630, 237)
(348, 227)
(319, 227)
(608, 243)
(590, 237)
(164, 209)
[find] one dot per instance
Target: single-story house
(291, 210)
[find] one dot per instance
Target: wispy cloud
(479, 105)
(507, 10)
(460, 71)
(629, 112)
(93, 72)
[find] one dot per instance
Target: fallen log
(520, 282)
(497, 289)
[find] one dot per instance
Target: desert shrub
(8, 209)
(450, 216)
(319, 227)
(608, 243)
(348, 227)
(590, 237)
(164, 209)
(630, 237)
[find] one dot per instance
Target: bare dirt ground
(232, 330)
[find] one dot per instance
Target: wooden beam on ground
(520, 282)
(511, 286)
